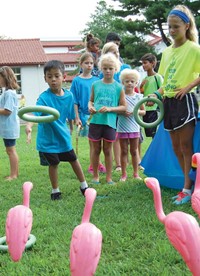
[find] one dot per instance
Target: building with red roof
(28, 56)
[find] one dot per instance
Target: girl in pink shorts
(127, 128)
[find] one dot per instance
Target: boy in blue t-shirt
(54, 139)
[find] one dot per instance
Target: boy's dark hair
(112, 37)
(54, 64)
(149, 57)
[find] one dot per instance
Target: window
(17, 72)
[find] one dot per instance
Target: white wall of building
(53, 50)
(32, 83)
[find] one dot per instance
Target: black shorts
(47, 159)
(99, 132)
(178, 112)
(150, 117)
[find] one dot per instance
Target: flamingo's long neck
(87, 209)
(26, 192)
(197, 181)
(158, 203)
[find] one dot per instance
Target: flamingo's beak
(194, 165)
(195, 160)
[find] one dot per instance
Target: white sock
(84, 185)
(187, 191)
(55, 191)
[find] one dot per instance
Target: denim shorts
(9, 142)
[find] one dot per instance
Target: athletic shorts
(150, 117)
(47, 159)
(99, 132)
(128, 135)
(9, 142)
(178, 112)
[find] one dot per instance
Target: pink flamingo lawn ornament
(182, 229)
(195, 199)
(19, 224)
(86, 243)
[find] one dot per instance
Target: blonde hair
(9, 77)
(109, 57)
(109, 47)
(191, 33)
(129, 72)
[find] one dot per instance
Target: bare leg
(182, 141)
(91, 154)
(96, 150)
(139, 152)
(107, 149)
(124, 154)
(14, 162)
(78, 170)
(116, 151)
(53, 175)
(134, 154)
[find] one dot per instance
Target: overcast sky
(45, 18)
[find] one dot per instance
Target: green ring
(30, 243)
(138, 118)
(54, 114)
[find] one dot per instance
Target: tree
(101, 22)
(104, 20)
(142, 17)
(133, 21)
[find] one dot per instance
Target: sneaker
(90, 169)
(83, 190)
(102, 168)
(181, 198)
(56, 196)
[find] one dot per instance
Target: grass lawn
(134, 241)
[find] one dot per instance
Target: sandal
(118, 169)
(123, 178)
(95, 182)
(111, 182)
(136, 176)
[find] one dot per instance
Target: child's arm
(157, 94)
(182, 91)
(142, 86)
(142, 110)
(77, 119)
(71, 127)
(5, 112)
(91, 108)
(28, 131)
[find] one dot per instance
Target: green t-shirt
(179, 66)
(152, 84)
(106, 94)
